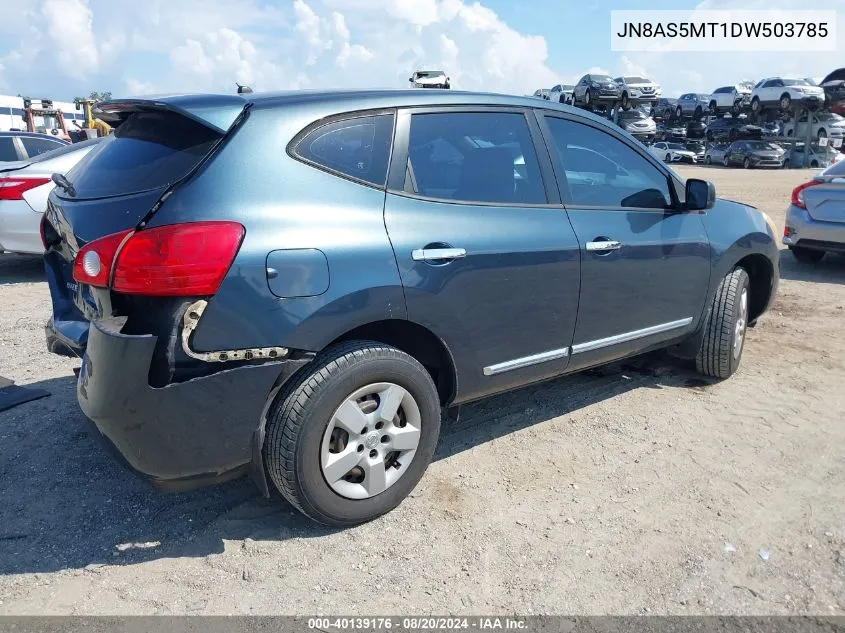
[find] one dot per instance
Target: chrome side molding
(630, 336)
(555, 354)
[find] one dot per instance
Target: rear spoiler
(217, 112)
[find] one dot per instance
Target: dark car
(834, 89)
(596, 90)
(16, 146)
(637, 123)
(292, 285)
(696, 129)
(754, 154)
(772, 128)
(669, 131)
(732, 129)
(664, 108)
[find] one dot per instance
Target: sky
(61, 49)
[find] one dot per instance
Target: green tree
(100, 96)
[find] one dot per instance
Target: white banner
(723, 30)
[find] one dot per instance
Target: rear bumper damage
(183, 435)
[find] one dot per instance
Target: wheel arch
(416, 341)
(761, 275)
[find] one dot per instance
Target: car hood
(682, 152)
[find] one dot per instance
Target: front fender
(736, 231)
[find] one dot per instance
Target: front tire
(785, 103)
(755, 105)
(725, 326)
(746, 164)
(352, 435)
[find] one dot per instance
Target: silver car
(815, 221)
(715, 153)
(24, 188)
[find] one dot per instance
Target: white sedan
(672, 153)
(24, 188)
(824, 125)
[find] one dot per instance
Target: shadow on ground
(67, 504)
(21, 269)
(830, 270)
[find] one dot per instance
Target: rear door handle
(603, 245)
(437, 254)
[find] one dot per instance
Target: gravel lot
(614, 492)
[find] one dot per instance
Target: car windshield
(832, 116)
(424, 74)
(761, 146)
(636, 80)
(795, 82)
(676, 146)
(601, 78)
(567, 87)
(633, 114)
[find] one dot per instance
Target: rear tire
(299, 438)
(724, 327)
(806, 255)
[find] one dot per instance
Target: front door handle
(603, 245)
(437, 254)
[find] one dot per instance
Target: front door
(645, 265)
(487, 256)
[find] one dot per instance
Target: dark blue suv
(294, 285)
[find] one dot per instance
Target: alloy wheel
(741, 323)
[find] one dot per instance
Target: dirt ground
(635, 489)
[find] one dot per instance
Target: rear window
(149, 150)
(358, 147)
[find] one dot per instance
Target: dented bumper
(182, 435)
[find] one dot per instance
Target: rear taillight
(93, 263)
(14, 188)
(798, 193)
(176, 260)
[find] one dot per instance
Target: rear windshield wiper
(64, 183)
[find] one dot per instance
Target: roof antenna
(243, 90)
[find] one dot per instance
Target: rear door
(486, 254)
(645, 266)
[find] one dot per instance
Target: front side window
(602, 171)
(474, 157)
(358, 147)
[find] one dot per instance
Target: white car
(672, 153)
(24, 188)
(637, 90)
(782, 92)
(561, 93)
(429, 79)
(729, 99)
(824, 125)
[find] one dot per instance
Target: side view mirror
(700, 195)
(411, 79)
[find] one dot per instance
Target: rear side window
(149, 150)
(36, 146)
(358, 147)
(7, 149)
(474, 157)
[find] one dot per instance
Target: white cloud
(69, 27)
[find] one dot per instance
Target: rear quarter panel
(286, 204)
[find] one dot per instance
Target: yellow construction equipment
(100, 127)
